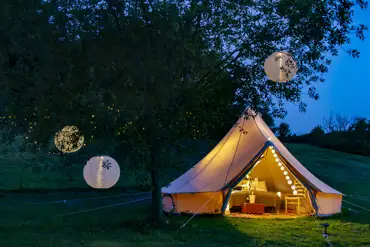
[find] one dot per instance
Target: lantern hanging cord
(113, 205)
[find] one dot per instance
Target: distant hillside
(340, 170)
(345, 172)
(347, 142)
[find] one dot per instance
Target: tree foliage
(284, 131)
(143, 74)
(354, 139)
(337, 123)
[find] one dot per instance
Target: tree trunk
(157, 211)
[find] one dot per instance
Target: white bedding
(263, 196)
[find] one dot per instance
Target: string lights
(285, 173)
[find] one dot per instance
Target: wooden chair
(297, 199)
(292, 200)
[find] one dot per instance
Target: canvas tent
(249, 146)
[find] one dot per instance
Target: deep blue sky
(346, 90)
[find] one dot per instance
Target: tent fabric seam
(196, 175)
(236, 150)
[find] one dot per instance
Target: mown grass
(26, 224)
(25, 172)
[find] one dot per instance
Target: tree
(360, 127)
(135, 70)
(284, 131)
(317, 135)
(337, 123)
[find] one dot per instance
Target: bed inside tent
(272, 184)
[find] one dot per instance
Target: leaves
(153, 63)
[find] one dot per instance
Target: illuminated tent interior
(271, 181)
(250, 160)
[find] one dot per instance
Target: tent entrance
(272, 189)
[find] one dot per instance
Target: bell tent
(250, 163)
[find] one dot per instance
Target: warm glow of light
(68, 140)
(287, 178)
(275, 155)
(285, 173)
(279, 194)
(269, 139)
(279, 164)
(257, 163)
(293, 187)
(101, 175)
(277, 160)
(290, 182)
(282, 168)
(271, 147)
(273, 151)
(295, 192)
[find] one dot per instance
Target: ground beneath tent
(267, 216)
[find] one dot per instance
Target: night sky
(346, 90)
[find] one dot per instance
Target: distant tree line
(350, 135)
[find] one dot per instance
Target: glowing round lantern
(285, 173)
(69, 139)
(280, 67)
(287, 178)
(101, 172)
(293, 187)
(168, 205)
(290, 182)
(282, 168)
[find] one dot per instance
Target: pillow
(261, 186)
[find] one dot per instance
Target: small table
(253, 208)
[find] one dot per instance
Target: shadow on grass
(117, 226)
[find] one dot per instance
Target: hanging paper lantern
(69, 139)
(168, 204)
(280, 67)
(101, 172)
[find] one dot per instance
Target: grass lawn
(26, 224)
